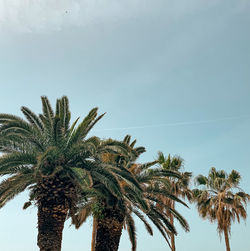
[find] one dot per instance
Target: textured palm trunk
(51, 220)
(93, 234)
(52, 212)
(226, 239)
(109, 230)
(172, 236)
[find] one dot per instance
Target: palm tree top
(221, 199)
(219, 180)
(46, 146)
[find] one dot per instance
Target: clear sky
(173, 74)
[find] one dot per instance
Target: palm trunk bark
(52, 212)
(109, 230)
(172, 236)
(226, 239)
(50, 227)
(93, 234)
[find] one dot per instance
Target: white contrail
(176, 123)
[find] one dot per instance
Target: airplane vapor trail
(176, 123)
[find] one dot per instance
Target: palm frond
(131, 231)
(12, 186)
(142, 218)
(12, 163)
(33, 118)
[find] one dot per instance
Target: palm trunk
(50, 226)
(226, 239)
(52, 212)
(172, 236)
(93, 234)
(109, 230)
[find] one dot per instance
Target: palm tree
(105, 206)
(110, 214)
(178, 186)
(54, 161)
(221, 200)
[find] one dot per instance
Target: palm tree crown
(54, 161)
(141, 203)
(221, 200)
(177, 186)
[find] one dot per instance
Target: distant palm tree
(54, 161)
(221, 200)
(110, 214)
(178, 186)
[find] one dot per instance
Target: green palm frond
(163, 218)
(234, 178)
(126, 176)
(164, 194)
(133, 144)
(142, 218)
(201, 180)
(62, 111)
(106, 178)
(116, 147)
(161, 158)
(33, 118)
(147, 165)
(159, 172)
(12, 163)
(69, 133)
(14, 185)
(183, 222)
(127, 139)
(48, 113)
(131, 230)
(160, 227)
(81, 131)
(136, 198)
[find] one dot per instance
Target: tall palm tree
(221, 200)
(110, 214)
(178, 186)
(54, 161)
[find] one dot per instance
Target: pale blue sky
(150, 65)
